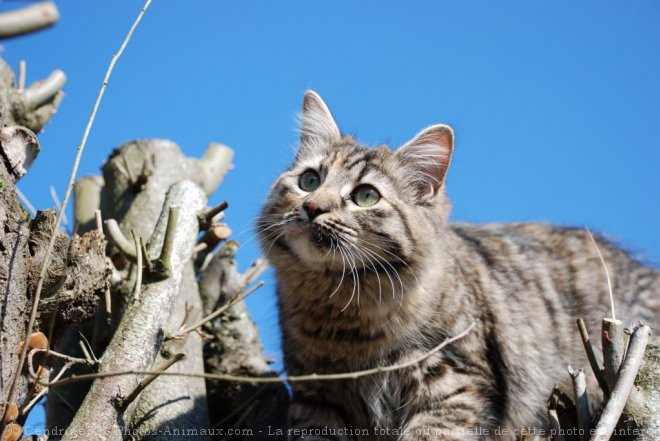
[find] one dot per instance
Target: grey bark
(78, 270)
(138, 338)
(236, 349)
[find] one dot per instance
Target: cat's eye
(309, 181)
(365, 195)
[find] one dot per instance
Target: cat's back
(563, 262)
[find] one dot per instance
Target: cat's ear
(429, 154)
(317, 126)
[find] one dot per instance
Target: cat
(370, 273)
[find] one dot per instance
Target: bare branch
(124, 402)
(58, 204)
(593, 361)
(624, 384)
(613, 350)
(121, 242)
(207, 217)
(581, 401)
(26, 202)
(86, 201)
(218, 312)
(28, 19)
(213, 166)
(286, 379)
(41, 92)
(163, 265)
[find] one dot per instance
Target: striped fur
(361, 287)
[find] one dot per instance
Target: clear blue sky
(556, 105)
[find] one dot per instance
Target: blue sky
(556, 105)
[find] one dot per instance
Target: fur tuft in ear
(316, 122)
(429, 155)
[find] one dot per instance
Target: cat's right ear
(429, 154)
(317, 126)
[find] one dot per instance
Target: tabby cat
(370, 273)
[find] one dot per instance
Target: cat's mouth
(317, 234)
(313, 242)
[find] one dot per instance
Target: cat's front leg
(437, 425)
(453, 408)
(315, 421)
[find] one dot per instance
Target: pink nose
(313, 210)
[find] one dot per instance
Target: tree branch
(581, 401)
(613, 349)
(139, 335)
(28, 19)
(124, 402)
(286, 379)
(239, 297)
(624, 384)
(591, 355)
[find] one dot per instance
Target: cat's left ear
(429, 154)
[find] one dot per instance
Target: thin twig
(591, 355)
(138, 266)
(26, 202)
(607, 272)
(124, 402)
(58, 205)
(121, 242)
(285, 379)
(624, 384)
(84, 350)
(65, 201)
(44, 390)
(51, 353)
(89, 347)
(162, 267)
(64, 400)
(146, 258)
(22, 73)
(218, 312)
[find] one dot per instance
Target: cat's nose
(313, 210)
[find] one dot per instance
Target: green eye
(309, 181)
(365, 195)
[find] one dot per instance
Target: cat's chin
(311, 254)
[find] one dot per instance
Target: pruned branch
(581, 401)
(624, 384)
(613, 349)
(28, 19)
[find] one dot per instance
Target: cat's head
(342, 204)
